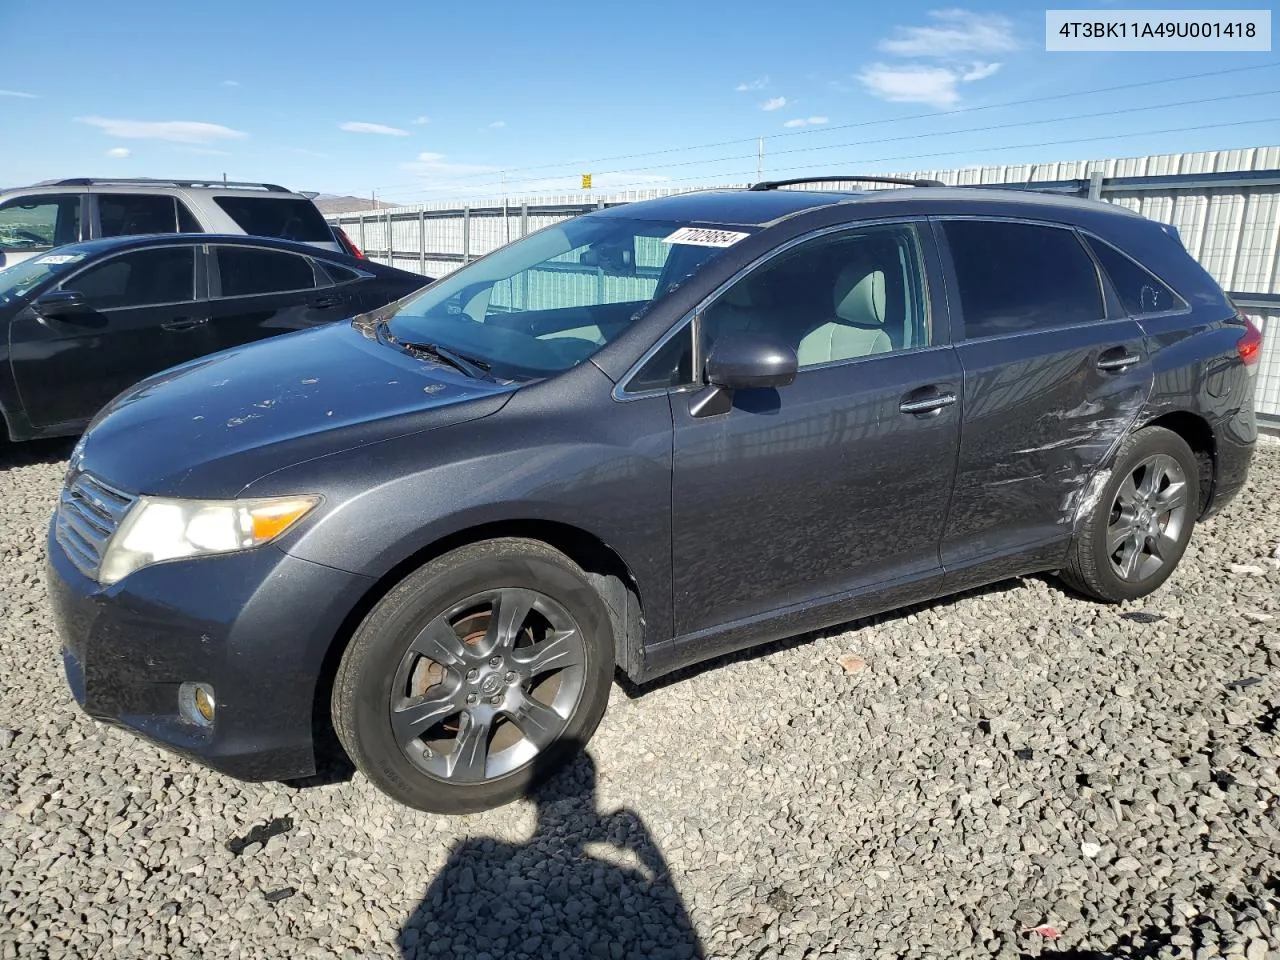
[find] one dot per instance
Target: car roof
(765, 207)
(104, 244)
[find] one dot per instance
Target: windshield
(546, 303)
(21, 278)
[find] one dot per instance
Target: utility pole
(760, 159)
(506, 219)
(373, 199)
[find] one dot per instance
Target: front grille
(88, 514)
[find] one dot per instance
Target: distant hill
(329, 203)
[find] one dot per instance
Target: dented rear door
(1043, 404)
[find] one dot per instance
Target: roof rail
(161, 182)
(902, 181)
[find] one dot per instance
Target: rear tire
(1133, 536)
(476, 677)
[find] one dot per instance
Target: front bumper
(256, 625)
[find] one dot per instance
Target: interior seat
(857, 329)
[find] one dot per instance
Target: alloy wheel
(487, 685)
(1147, 518)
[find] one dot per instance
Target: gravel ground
(938, 782)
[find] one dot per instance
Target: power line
(1010, 146)
(869, 123)
(946, 133)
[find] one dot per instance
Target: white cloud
(954, 32)
(18, 93)
(356, 126)
(175, 131)
(774, 103)
(806, 122)
(118, 153)
(911, 84)
(920, 83)
(748, 86)
(497, 125)
(436, 166)
(419, 121)
(979, 71)
(231, 83)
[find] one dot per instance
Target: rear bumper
(1234, 443)
(256, 626)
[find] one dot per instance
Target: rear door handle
(927, 404)
(183, 323)
(1117, 359)
(323, 302)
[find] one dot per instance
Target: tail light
(350, 247)
(1249, 346)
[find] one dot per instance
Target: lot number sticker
(705, 237)
(60, 258)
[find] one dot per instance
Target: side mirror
(61, 303)
(746, 361)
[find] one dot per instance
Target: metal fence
(1225, 204)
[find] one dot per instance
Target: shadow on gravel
(31, 452)
(635, 691)
(551, 896)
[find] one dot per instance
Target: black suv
(638, 439)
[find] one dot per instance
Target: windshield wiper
(471, 366)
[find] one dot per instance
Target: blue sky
(426, 101)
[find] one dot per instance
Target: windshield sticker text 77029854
(705, 237)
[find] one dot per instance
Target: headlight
(158, 528)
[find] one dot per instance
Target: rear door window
(286, 218)
(139, 278)
(38, 223)
(1140, 293)
(1018, 277)
(127, 214)
(336, 273)
(249, 271)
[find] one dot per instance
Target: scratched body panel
(1039, 419)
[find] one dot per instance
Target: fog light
(196, 703)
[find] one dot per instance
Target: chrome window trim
(694, 316)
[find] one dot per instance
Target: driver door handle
(182, 324)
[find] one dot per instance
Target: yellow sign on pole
(586, 181)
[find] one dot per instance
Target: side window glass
(138, 279)
(187, 223)
(127, 214)
(839, 297)
(38, 223)
(1021, 277)
(670, 366)
(336, 273)
(246, 271)
(1139, 291)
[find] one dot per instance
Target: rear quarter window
(287, 218)
(1140, 292)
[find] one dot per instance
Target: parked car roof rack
(153, 181)
(903, 181)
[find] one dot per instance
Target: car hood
(210, 427)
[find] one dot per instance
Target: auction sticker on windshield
(60, 258)
(705, 237)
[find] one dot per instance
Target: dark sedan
(87, 320)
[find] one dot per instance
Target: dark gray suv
(635, 440)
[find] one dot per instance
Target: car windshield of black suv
(548, 302)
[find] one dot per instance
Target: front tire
(476, 677)
(1135, 533)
